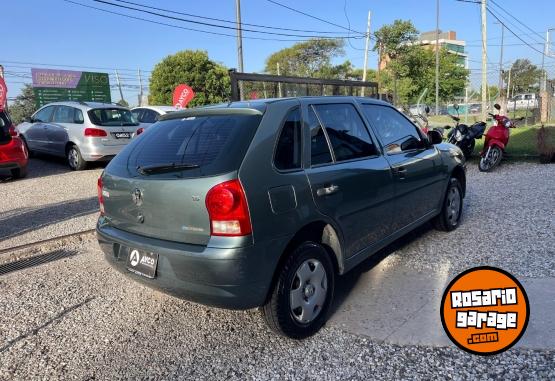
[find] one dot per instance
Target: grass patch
(523, 141)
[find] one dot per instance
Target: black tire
(493, 158)
(469, 149)
(19, 173)
(74, 159)
(278, 312)
(451, 210)
(29, 152)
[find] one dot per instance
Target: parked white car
(527, 101)
(148, 115)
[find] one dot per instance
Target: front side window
(319, 149)
(137, 114)
(289, 147)
(395, 132)
(44, 114)
(348, 136)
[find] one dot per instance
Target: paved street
(76, 318)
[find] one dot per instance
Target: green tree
(312, 58)
(395, 39)
(23, 105)
(525, 76)
(209, 80)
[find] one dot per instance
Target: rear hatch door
(118, 123)
(157, 185)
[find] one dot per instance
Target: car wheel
(29, 152)
(75, 160)
(19, 173)
(451, 211)
(303, 292)
(491, 159)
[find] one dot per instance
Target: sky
(52, 33)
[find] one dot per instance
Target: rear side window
(346, 131)
(216, 144)
(288, 149)
(108, 117)
(149, 116)
(63, 114)
(319, 149)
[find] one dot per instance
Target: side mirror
(447, 127)
(435, 137)
(497, 107)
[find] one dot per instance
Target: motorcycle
(464, 136)
(496, 141)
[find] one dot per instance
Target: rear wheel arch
(317, 231)
(459, 174)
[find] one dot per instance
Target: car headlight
(458, 136)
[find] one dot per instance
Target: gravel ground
(77, 318)
(52, 201)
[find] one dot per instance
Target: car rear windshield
(4, 128)
(112, 117)
(207, 145)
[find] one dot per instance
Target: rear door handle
(327, 190)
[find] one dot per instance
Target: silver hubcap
(72, 158)
(309, 289)
(453, 206)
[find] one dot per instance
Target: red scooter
(496, 139)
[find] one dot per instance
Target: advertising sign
(68, 85)
(182, 95)
(3, 93)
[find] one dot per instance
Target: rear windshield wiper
(164, 168)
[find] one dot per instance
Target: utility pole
(484, 61)
(437, 57)
(366, 53)
(239, 44)
(466, 93)
(501, 95)
(279, 83)
(140, 87)
(119, 85)
(543, 82)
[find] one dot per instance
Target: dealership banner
(3, 93)
(67, 85)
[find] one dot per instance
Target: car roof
(260, 104)
(161, 108)
(85, 105)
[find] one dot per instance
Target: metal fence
(245, 86)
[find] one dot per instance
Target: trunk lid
(118, 123)
(145, 193)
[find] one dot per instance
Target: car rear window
(4, 128)
(112, 117)
(216, 144)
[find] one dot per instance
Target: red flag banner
(182, 95)
(3, 93)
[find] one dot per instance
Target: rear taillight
(95, 132)
(140, 130)
(13, 131)
(228, 210)
(100, 196)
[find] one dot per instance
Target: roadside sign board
(182, 95)
(67, 85)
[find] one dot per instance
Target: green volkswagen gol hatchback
(265, 203)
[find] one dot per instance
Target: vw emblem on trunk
(137, 196)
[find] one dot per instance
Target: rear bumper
(93, 150)
(13, 154)
(235, 278)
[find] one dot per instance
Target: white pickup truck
(527, 101)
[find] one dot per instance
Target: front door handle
(327, 190)
(401, 172)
